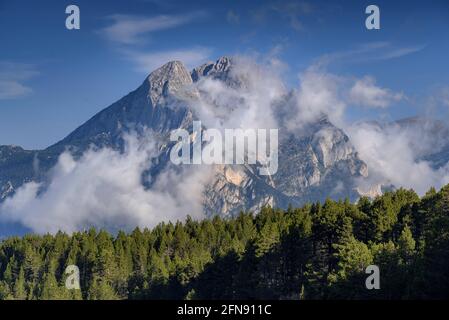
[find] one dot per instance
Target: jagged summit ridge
(218, 69)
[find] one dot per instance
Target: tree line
(318, 251)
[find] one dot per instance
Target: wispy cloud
(400, 52)
(358, 51)
(149, 61)
(104, 188)
(131, 29)
(323, 93)
(365, 93)
(12, 79)
(372, 51)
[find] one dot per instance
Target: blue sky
(53, 79)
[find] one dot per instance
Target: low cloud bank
(393, 157)
(104, 189)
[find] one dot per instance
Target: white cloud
(322, 93)
(391, 159)
(13, 89)
(319, 94)
(367, 52)
(400, 52)
(12, 78)
(149, 61)
(365, 93)
(104, 189)
(251, 105)
(130, 29)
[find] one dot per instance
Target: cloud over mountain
(104, 189)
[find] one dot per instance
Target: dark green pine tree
(19, 290)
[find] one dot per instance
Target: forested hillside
(319, 251)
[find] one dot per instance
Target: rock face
(318, 163)
(216, 70)
(312, 167)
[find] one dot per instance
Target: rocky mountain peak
(217, 69)
(222, 64)
(168, 80)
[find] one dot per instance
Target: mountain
(144, 107)
(317, 163)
